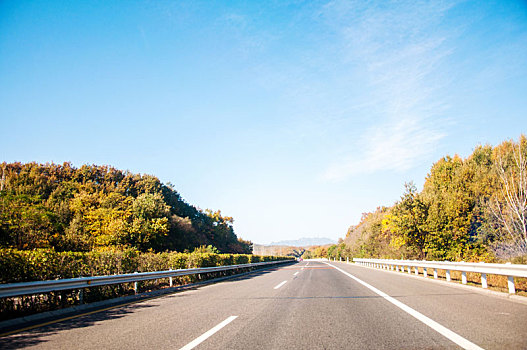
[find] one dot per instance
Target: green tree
(94, 207)
(450, 201)
(406, 221)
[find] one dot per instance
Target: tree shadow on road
(38, 335)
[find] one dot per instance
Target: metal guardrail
(509, 270)
(37, 287)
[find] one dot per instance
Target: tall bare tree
(509, 207)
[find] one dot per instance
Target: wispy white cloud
(395, 145)
(401, 48)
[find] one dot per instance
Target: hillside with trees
(468, 209)
(100, 207)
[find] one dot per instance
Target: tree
(509, 205)
(149, 221)
(450, 200)
(407, 221)
(369, 238)
(93, 207)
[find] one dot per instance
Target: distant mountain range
(304, 242)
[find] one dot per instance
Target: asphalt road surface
(306, 305)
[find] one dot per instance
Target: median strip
(281, 284)
(207, 334)
(456, 338)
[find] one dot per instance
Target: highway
(306, 305)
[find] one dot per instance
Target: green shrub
(48, 264)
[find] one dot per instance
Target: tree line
(469, 209)
(99, 207)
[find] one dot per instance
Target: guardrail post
(510, 283)
(81, 296)
(484, 280)
(170, 279)
(448, 267)
(135, 285)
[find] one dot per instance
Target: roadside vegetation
(99, 207)
(58, 221)
(48, 264)
(472, 209)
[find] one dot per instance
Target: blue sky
(294, 117)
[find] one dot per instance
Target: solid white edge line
(207, 334)
(296, 273)
(281, 284)
(456, 338)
